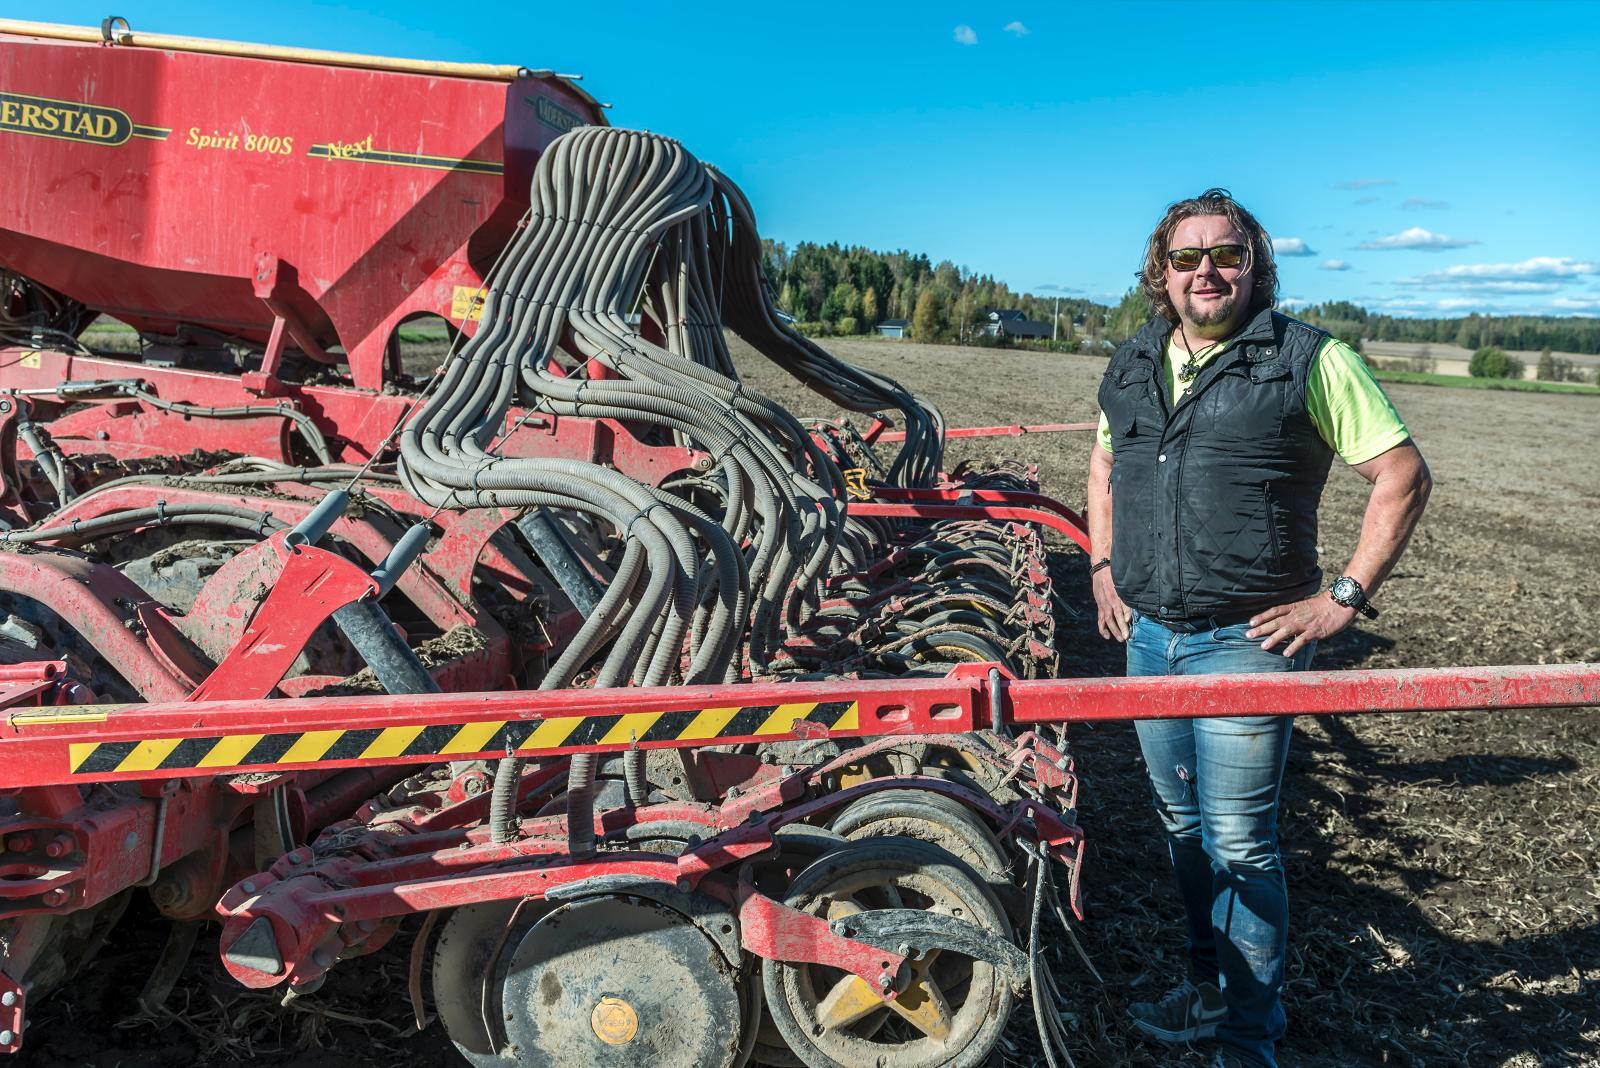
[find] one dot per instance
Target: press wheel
(617, 982)
(951, 1009)
(931, 817)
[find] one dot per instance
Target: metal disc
(464, 957)
(616, 982)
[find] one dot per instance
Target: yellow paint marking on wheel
(708, 724)
(782, 719)
(310, 746)
(850, 1000)
(229, 751)
(922, 1003)
(630, 727)
(148, 754)
(391, 741)
(551, 733)
(472, 737)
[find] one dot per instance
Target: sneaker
(1227, 1058)
(1187, 1012)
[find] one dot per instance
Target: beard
(1215, 314)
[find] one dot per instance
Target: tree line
(1530, 332)
(847, 289)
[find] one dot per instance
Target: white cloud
(1424, 308)
(1416, 238)
(1292, 246)
(1363, 201)
(1579, 303)
(1365, 183)
(1482, 286)
(1335, 265)
(966, 35)
(1414, 203)
(1017, 28)
(1541, 274)
(1537, 269)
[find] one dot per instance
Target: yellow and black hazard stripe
(377, 744)
(345, 154)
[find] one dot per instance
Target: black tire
(882, 871)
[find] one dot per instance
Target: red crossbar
(1072, 527)
(45, 746)
(1016, 430)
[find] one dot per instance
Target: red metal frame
(879, 431)
(41, 747)
(1060, 519)
(321, 904)
(326, 202)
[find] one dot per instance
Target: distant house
(894, 328)
(1009, 322)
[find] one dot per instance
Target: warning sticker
(466, 303)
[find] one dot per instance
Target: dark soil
(1443, 868)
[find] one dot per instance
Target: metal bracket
(914, 931)
(12, 997)
(160, 837)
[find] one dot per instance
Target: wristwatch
(1348, 592)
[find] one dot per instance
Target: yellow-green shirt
(1346, 404)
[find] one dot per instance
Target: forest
(848, 289)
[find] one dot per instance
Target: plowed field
(1443, 868)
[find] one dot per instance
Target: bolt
(9, 998)
(5, 406)
(248, 887)
(54, 897)
(702, 463)
(472, 787)
(885, 982)
(59, 846)
(903, 949)
(6, 1038)
(20, 843)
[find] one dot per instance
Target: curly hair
(1258, 250)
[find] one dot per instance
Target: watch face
(1344, 591)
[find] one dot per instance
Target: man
(1221, 420)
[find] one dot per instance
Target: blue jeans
(1216, 784)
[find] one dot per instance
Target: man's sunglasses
(1188, 259)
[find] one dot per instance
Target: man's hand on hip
(1318, 616)
(1115, 617)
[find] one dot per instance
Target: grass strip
(1514, 385)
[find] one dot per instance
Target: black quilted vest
(1214, 500)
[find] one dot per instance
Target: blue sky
(1418, 158)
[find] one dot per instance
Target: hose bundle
(623, 222)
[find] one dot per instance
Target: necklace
(1187, 372)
